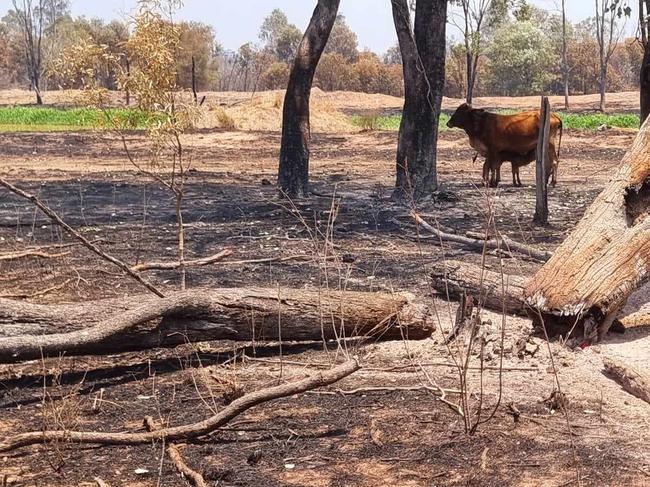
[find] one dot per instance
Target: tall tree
(644, 27)
(423, 65)
(32, 22)
(565, 62)
(474, 14)
(293, 171)
(608, 33)
(343, 40)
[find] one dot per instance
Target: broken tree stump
(490, 289)
(29, 331)
(606, 257)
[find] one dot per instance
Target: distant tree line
(517, 52)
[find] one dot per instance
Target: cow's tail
(559, 142)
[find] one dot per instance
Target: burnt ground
(397, 438)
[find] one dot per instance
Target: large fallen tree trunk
(491, 290)
(29, 331)
(607, 256)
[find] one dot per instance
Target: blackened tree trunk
(423, 61)
(293, 173)
(644, 27)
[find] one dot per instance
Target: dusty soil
(387, 438)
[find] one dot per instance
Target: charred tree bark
(28, 331)
(607, 256)
(541, 178)
(293, 172)
(423, 61)
(644, 27)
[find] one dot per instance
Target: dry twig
(194, 477)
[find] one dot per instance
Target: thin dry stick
(36, 293)
(87, 243)
(100, 482)
(190, 431)
(269, 260)
(496, 244)
(159, 266)
(31, 253)
(363, 390)
(194, 477)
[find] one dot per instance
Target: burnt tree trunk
(606, 257)
(645, 84)
(293, 172)
(541, 188)
(644, 27)
(423, 61)
(142, 322)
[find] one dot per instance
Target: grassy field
(587, 121)
(47, 119)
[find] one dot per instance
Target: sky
(237, 22)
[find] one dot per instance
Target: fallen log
(491, 290)
(29, 331)
(606, 258)
(190, 431)
(632, 381)
(500, 242)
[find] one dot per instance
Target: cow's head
(461, 117)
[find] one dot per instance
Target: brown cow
(502, 138)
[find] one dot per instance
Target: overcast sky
(237, 22)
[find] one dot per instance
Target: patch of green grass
(592, 121)
(587, 121)
(48, 119)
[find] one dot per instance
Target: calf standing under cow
(507, 138)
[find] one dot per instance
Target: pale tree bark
(423, 61)
(29, 331)
(293, 171)
(606, 257)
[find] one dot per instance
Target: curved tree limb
(189, 431)
(194, 477)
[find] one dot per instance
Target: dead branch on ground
(194, 477)
(87, 243)
(453, 278)
(501, 242)
(190, 431)
(160, 266)
(31, 253)
(634, 382)
(36, 294)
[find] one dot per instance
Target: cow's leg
(515, 175)
(486, 172)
